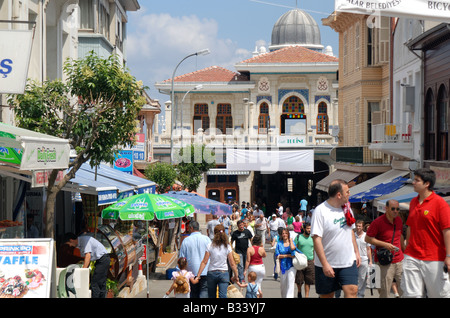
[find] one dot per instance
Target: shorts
(342, 276)
(306, 275)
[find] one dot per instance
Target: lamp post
(202, 52)
(196, 88)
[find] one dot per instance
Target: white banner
(15, 51)
(413, 9)
(270, 161)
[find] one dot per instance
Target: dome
(296, 27)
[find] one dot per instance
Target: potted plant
(111, 288)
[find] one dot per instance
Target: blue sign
(124, 161)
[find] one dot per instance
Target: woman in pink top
(297, 224)
(254, 263)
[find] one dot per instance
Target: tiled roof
(210, 74)
(291, 54)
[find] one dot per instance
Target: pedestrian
(303, 205)
(336, 254)
(233, 223)
(261, 226)
(275, 241)
(193, 248)
(297, 224)
(225, 220)
(94, 251)
(217, 254)
(385, 232)
(244, 211)
(279, 209)
(253, 289)
(365, 252)
(290, 216)
(240, 239)
(304, 243)
(284, 252)
(254, 262)
(182, 280)
(274, 223)
(427, 252)
(211, 225)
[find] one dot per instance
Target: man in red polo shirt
(428, 241)
(386, 232)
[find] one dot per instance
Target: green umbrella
(146, 206)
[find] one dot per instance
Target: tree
(163, 174)
(193, 161)
(95, 109)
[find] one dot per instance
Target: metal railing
(392, 133)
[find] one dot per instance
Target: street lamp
(202, 52)
(196, 88)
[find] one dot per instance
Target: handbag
(300, 261)
(277, 267)
(384, 255)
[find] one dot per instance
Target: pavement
(158, 284)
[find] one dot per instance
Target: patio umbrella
(145, 207)
(201, 204)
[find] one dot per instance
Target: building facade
(280, 100)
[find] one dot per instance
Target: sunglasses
(395, 209)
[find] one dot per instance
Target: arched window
(263, 119)
(442, 116)
(322, 119)
(224, 120)
(430, 126)
(293, 119)
(201, 118)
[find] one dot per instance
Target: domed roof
(296, 27)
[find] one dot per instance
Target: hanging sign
(15, 51)
(413, 9)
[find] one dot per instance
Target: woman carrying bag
(254, 263)
(284, 253)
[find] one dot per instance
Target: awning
(107, 190)
(141, 185)
(384, 177)
(270, 161)
(383, 184)
(338, 174)
(30, 150)
(404, 194)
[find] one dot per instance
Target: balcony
(393, 139)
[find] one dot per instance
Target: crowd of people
(412, 256)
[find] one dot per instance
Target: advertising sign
(124, 161)
(413, 9)
(26, 268)
(15, 51)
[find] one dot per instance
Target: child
(181, 280)
(253, 290)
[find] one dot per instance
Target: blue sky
(161, 33)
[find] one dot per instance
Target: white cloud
(157, 42)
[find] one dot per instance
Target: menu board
(26, 267)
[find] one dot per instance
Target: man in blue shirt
(303, 205)
(193, 248)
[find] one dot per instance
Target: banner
(26, 267)
(412, 9)
(15, 51)
(270, 161)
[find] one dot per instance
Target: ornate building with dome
(271, 122)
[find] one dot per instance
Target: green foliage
(163, 174)
(96, 108)
(194, 160)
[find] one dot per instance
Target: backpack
(181, 284)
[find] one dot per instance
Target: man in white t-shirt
(336, 252)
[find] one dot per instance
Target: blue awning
(404, 194)
(141, 185)
(379, 190)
